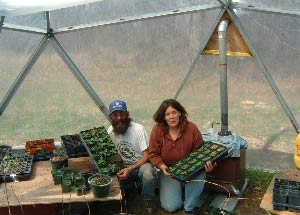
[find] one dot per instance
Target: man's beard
(120, 127)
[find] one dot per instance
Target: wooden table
(40, 189)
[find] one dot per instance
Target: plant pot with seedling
(100, 184)
(59, 159)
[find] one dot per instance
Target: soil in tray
(194, 163)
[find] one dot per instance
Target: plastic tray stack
(194, 163)
(286, 195)
(15, 165)
(101, 149)
(74, 146)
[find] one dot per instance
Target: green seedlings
(194, 163)
(102, 148)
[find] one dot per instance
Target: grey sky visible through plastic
(143, 63)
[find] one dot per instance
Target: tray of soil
(101, 148)
(100, 184)
(193, 164)
(74, 146)
(59, 159)
(14, 166)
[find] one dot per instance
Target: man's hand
(209, 166)
(165, 170)
(124, 173)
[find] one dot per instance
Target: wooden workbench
(40, 189)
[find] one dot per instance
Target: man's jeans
(171, 193)
(146, 175)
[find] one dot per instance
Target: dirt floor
(247, 205)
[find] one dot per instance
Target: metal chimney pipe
(223, 77)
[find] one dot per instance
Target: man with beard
(132, 142)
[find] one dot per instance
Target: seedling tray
(100, 148)
(41, 150)
(15, 164)
(73, 146)
(194, 163)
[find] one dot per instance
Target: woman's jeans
(171, 193)
(146, 175)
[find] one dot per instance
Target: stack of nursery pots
(100, 185)
(59, 159)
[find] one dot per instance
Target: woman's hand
(209, 166)
(165, 170)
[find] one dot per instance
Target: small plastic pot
(77, 178)
(66, 186)
(57, 176)
(294, 199)
(280, 196)
(80, 190)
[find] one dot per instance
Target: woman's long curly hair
(159, 115)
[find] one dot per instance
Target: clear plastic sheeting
(144, 63)
(15, 49)
(103, 11)
(22, 7)
(275, 4)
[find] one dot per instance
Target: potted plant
(100, 184)
(59, 159)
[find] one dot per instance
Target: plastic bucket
(100, 190)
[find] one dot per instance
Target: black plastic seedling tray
(194, 163)
(100, 148)
(15, 165)
(286, 195)
(73, 146)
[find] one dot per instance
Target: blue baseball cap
(117, 105)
